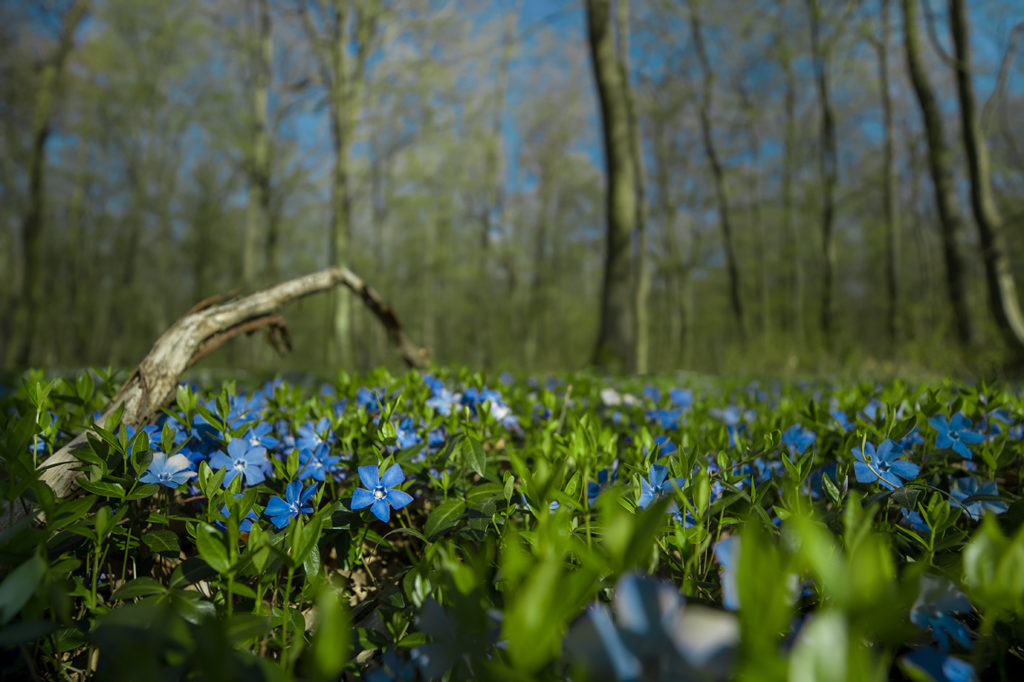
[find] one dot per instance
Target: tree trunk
(641, 274)
(1002, 290)
(257, 214)
(33, 272)
(789, 226)
(615, 339)
(890, 191)
(827, 169)
(718, 174)
(941, 170)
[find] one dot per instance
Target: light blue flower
(882, 465)
(168, 471)
(379, 494)
(295, 502)
(242, 460)
(655, 485)
(956, 433)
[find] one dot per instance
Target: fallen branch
(207, 326)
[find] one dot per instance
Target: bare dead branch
(206, 327)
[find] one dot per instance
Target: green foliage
(529, 525)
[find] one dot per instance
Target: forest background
(750, 187)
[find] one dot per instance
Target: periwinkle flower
(797, 439)
(656, 484)
(967, 487)
(955, 433)
(936, 603)
(243, 460)
(882, 465)
(170, 471)
(380, 494)
(317, 464)
(295, 502)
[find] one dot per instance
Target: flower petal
(276, 507)
(905, 469)
(392, 476)
(369, 475)
(398, 499)
(940, 424)
(361, 498)
(381, 510)
(864, 473)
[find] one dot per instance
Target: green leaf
(443, 517)
(102, 488)
(162, 540)
(19, 586)
(329, 650)
(474, 455)
(211, 548)
(139, 587)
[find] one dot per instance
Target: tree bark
(828, 170)
(718, 174)
(33, 223)
(941, 170)
(641, 271)
(1002, 290)
(615, 339)
(257, 213)
(789, 226)
(890, 191)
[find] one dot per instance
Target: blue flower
(379, 492)
(881, 465)
(242, 460)
(955, 434)
(797, 439)
(312, 435)
(317, 463)
(245, 525)
(605, 478)
(370, 399)
(936, 602)
(407, 435)
(939, 666)
(663, 446)
(725, 552)
(841, 418)
(259, 436)
(295, 502)
(168, 471)
(652, 394)
(967, 487)
(914, 520)
(441, 399)
(655, 485)
(681, 397)
(666, 418)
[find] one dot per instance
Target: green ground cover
(456, 527)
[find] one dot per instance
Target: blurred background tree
(816, 184)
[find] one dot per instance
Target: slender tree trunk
(764, 266)
(615, 339)
(794, 255)
(641, 275)
(491, 216)
(33, 223)
(1002, 290)
(718, 174)
(940, 166)
(827, 169)
(890, 190)
(257, 214)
